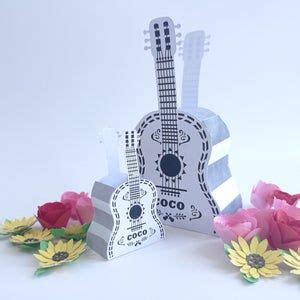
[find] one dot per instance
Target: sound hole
(170, 165)
(135, 211)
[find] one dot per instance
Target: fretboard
(133, 174)
(166, 86)
(190, 84)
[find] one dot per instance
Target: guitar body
(187, 200)
(120, 227)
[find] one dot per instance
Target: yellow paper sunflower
(62, 252)
(32, 237)
(17, 226)
(254, 260)
(292, 259)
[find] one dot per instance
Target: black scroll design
(156, 136)
(121, 241)
(196, 214)
(183, 137)
(152, 231)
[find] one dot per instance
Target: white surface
(69, 68)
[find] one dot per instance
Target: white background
(69, 68)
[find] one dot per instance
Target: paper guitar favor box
(184, 152)
(125, 206)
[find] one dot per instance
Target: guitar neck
(166, 87)
(133, 174)
(190, 84)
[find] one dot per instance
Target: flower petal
(236, 263)
(253, 272)
(244, 245)
(262, 247)
(253, 245)
(297, 272)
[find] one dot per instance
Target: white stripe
(100, 230)
(219, 151)
(101, 205)
(225, 193)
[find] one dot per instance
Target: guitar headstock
(110, 138)
(194, 46)
(131, 140)
(162, 37)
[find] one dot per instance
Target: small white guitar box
(125, 205)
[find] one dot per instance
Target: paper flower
(264, 194)
(75, 232)
(292, 259)
(17, 226)
(82, 207)
(254, 260)
(246, 223)
(61, 253)
(54, 214)
(32, 237)
(284, 227)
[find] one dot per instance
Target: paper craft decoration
(125, 211)
(184, 152)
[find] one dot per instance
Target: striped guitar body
(219, 178)
(123, 226)
(125, 216)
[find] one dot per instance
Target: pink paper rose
(284, 226)
(264, 194)
(54, 214)
(82, 207)
(244, 223)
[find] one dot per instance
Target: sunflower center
(59, 256)
(31, 240)
(255, 261)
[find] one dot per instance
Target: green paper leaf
(86, 227)
(42, 271)
(57, 232)
(43, 245)
(249, 279)
(226, 248)
(28, 247)
(4, 235)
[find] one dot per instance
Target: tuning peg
(180, 48)
(208, 36)
(206, 50)
(147, 48)
(146, 40)
(179, 43)
(178, 34)
(207, 43)
(177, 26)
(100, 137)
(146, 31)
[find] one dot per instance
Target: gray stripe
(103, 218)
(217, 129)
(97, 244)
(102, 191)
(214, 124)
(233, 206)
(218, 173)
